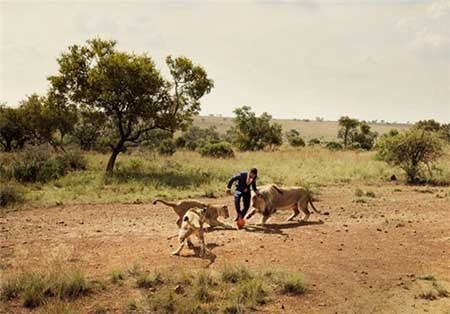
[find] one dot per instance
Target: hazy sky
(371, 59)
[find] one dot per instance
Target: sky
(369, 59)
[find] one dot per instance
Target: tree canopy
(254, 133)
(129, 90)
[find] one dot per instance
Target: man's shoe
(237, 218)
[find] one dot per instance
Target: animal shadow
(208, 255)
(278, 228)
(290, 225)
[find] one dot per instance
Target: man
(243, 182)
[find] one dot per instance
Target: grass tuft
(147, 281)
(234, 274)
(117, 276)
(35, 288)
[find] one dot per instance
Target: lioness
(212, 211)
(192, 223)
(271, 198)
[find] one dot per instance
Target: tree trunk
(112, 160)
(346, 137)
(8, 146)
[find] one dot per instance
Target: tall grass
(142, 176)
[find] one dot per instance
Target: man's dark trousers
(237, 202)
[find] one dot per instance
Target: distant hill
(326, 130)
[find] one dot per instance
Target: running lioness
(213, 212)
(192, 224)
(271, 198)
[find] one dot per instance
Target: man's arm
(233, 178)
(254, 186)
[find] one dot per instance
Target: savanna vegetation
(232, 289)
(63, 147)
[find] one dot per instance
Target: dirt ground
(364, 257)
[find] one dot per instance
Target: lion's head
(259, 202)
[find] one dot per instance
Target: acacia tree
(129, 90)
(348, 129)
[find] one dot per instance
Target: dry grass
(142, 176)
(35, 288)
(234, 289)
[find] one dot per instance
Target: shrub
(334, 146)
(167, 147)
(294, 139)
(196, 137)
(217, 150)
(10, 194)
(73, 160)
(412, 150)
(313, 141)
(38, 165)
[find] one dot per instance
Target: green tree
(445, 131)
(89, 128)
(195, 137)
(365, 137)
(12, 128)
(294, 138)
(348, 130)
(413, 150)
(254, 133)
(129, 90)
(428, 125)
(64, 117)
(39, 120)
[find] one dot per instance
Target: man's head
(253, 173)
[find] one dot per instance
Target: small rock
(98, 231)
(378, 229)
(322, 304)
(282, 306)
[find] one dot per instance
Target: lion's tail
(313, 207)
(171, 204)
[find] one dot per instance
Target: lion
(213, 212)
(192, 223)
(271, 198)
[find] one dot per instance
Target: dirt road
(366, 256)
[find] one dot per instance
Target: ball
(240, 223)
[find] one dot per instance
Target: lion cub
(192, 223)
(212, 211)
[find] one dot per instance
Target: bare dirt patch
(366, 256)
